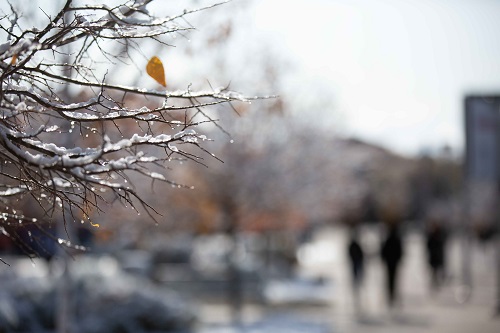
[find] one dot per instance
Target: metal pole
(64, 300)
(463, 292)
(465, 289)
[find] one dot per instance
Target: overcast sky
(392, 72)
(396, 71)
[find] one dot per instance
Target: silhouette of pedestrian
(356, 257)
(436, 240)
(392, 252)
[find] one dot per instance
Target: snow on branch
(71, 139)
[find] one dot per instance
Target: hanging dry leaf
(155, 69)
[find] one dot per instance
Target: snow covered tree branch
(70, 138)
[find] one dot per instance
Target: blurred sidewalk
(421, 309)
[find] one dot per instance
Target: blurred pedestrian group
(392, 253)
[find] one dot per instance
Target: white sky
(398, 70)
(392, 72)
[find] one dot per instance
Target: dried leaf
(155, 69)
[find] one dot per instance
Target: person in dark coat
(392, 252)
(356, 257)
(436, 240)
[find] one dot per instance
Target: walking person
(356, 256)
(392, 252)
(435, 243)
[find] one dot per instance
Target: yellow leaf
(95, 225)
(155, 69)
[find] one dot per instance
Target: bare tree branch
(71, 155)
